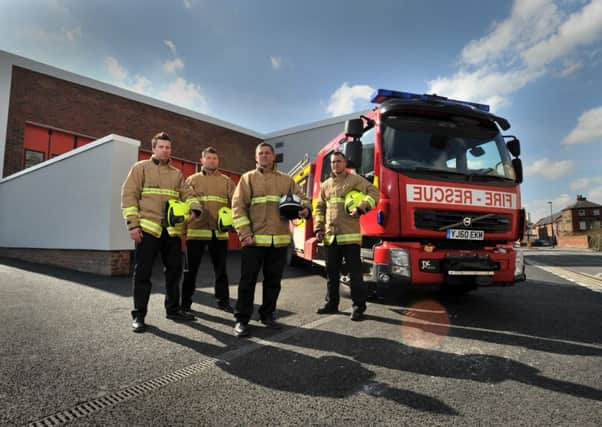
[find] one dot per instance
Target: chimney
(581, 198)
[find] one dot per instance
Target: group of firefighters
(261, 206)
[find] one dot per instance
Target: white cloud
(595, 195)
(115, 69)
(541, 208)
(537, 38)
(529, 22)
(579, 29)
(588, 129)
(586, 182)
(483, 85)
(549, 169)
(173, 65)
(65, 35)
(276, 62)
(570, 68)
(592, 186)
(185, 94)
(171, 45)
(141, 85)
(343, 100)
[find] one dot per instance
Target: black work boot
(241, 329)
(138, 325)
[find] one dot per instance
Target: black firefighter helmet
(290, 205)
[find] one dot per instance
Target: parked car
(542, 242)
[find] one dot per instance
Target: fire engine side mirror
(353, 153)
(517, 164)
(513, 146)
(354, 128)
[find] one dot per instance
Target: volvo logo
(467, 221)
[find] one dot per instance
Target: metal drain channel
(86, 408)
(95, 405)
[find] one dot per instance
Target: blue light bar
(381, 95)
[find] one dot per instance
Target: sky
(267, 65)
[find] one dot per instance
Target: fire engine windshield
(454, 145)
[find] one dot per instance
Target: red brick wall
(573, 242)
(106, 263)
(54, 102)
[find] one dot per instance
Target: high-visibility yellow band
(178, 230)
(334, 201)
(275, 239)
(198, 233)
(320, 218)
(265, 199)
(151, 227)
(159, 191)
(205, 234)
(240, 221)
(192, 200)
(370, 200)
(343, 239)
(218, 199)
(130, 211)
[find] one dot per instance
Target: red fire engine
(450, 207)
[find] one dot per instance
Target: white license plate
(465, 234)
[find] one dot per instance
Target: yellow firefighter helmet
(224, 220)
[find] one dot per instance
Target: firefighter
(214, 190)
(264, 235)
(144, 196)
(338, 226)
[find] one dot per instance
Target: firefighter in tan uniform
(264, 235)
(144, 194)
(214, 191)
(340, 231)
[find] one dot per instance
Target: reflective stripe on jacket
(255, 206)
(330, 215)
(212, 191)
(148, 186)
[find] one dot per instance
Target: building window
(596, 211)
(581, 212)
(582, 225)
(33, 157)
(279, 144)
(279, 158)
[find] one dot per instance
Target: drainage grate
(95, 405)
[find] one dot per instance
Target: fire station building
(66, 144)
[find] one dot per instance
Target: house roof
(582, 204)
(546, 220)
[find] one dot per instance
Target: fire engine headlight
(400, 262)
(519, 263)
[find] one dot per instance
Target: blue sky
(268, 65)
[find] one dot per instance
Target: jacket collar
(266, 170)
(342, 175)
(208, 173)
(160, 162)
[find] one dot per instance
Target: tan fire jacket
(255, 206)
(146, 190)
(213, 191)
(330, 215)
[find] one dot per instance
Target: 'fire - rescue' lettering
(460, 196)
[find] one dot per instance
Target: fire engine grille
(429, 219)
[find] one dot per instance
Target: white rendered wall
(308, 141)
(71, 201)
